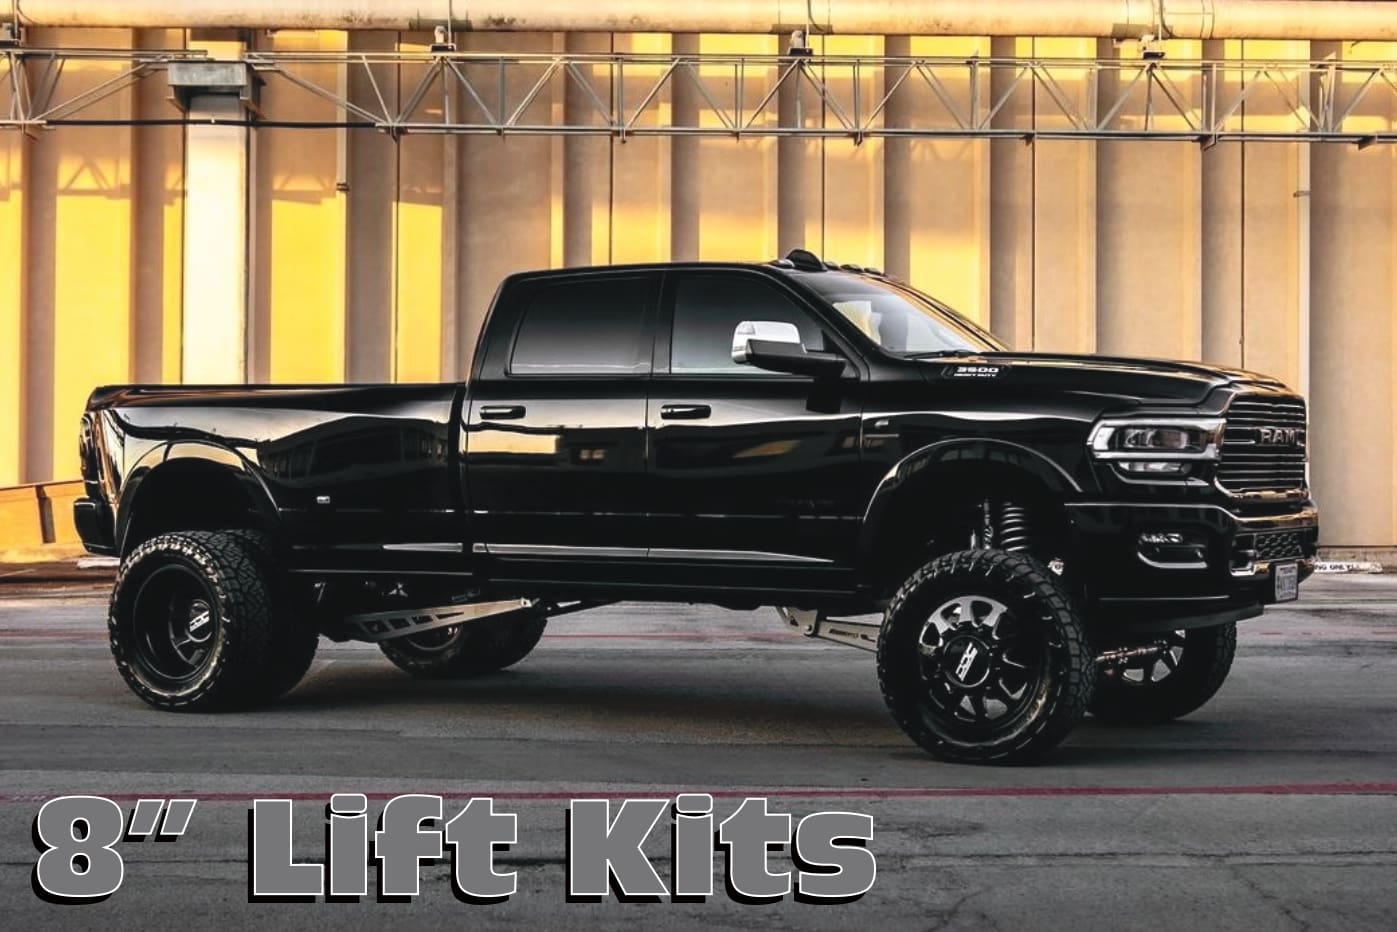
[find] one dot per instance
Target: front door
(748, 466)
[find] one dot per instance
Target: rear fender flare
(210, 458)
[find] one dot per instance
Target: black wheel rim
(981, 667)
(431, 643)
(1141, 672)
(176, 626)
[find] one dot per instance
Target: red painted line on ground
(32, 634)
(658, 636)
(869, 793)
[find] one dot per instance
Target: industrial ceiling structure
(737, 96)
(1136, 95)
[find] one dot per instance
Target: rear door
(747, 466)
(555, 429)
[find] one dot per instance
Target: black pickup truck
(1041, 534)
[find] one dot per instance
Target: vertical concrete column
(418, 244)
(935, 197)
(639, 224)
(503, 192)
(79, 273)
(371, 173)
(1224, 192)
(217, 175)
(216, 243)
(299, 225)
(685, 189)
(453, 365)
(1270, 302)
(1064, 215)
(38, 209)
(158, 218)
(899, 208)
(14, 187)
(792, 195)
(1252, 199)
(1012, 195)
(1353, 337)
(1148, 227)
(1272, 198)
(586, 160)
(849, 182)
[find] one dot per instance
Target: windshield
(899, 319)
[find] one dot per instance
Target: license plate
(1287, 577)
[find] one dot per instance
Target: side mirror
(776, 347)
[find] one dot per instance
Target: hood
(1127, 379)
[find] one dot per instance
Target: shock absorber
(1011, 527)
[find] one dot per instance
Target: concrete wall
(368, 259)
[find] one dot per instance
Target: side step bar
(384, 626)
(846, 631)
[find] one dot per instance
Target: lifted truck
(1042, 534)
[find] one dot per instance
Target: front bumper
(1234, 569)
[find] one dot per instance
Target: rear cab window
(584, 326)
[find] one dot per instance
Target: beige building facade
(135, 248)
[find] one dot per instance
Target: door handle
(501, 412)
(685, 412)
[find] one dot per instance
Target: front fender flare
(959, 453)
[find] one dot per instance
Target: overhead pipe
(1183, 19)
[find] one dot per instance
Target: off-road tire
(474, 648)
(218, 571)
(1048, 627)
(296, 633)
(1201, 667)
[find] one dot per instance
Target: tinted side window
(707, 308)
(577, 327)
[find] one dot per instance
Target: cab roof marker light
(805, 260)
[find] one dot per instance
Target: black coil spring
(1012, 531)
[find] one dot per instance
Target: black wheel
(1188, 671)
(297, 635)
(983, 658)
(470, 649)
(193, 623)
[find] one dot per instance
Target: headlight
(1165, 439)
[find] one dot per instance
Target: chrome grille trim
(1252, 467)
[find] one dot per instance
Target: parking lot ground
(1274, 807)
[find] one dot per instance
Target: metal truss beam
(836, 97)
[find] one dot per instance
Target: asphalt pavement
(1274, 807)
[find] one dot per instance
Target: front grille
(1263, 445)
(1279, 545)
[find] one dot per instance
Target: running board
(384, 626)
(846, 631)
